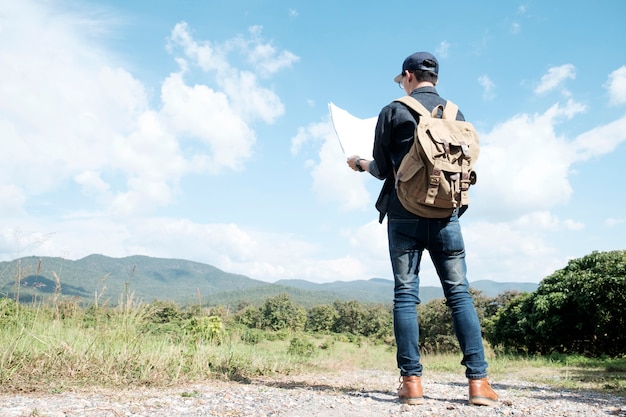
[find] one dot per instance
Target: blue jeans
(443, 239)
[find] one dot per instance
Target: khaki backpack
(435, 175)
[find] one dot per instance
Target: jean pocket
(402, 234)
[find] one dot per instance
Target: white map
(356, 136)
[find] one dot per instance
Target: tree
(322, 318)
(161, 312)
(351, 318)
(578, 309)
(510, 328)
(280, 313)
(250, 316)
(379, 323)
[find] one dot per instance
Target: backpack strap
(433, 183)
(415, 105)
(450, 110)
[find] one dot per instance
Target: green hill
(186, 282)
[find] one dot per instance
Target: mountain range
(98, 278)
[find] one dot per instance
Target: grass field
(53, 350)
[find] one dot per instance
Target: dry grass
(47, 350)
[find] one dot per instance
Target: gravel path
(364, 394)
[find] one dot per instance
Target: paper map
(356, 136)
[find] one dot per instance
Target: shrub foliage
(578, 309)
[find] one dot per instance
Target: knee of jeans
(455, 288)
(458, 298)
(406, 298)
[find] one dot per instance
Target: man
(409, 235)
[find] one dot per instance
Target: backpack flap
(452, 146)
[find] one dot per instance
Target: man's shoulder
(431, 100)
(393, 108)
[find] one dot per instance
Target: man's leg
(405, 261)
(447, 250)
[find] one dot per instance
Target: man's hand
(352, 162)
(357, 163)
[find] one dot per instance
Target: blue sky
(200, 130)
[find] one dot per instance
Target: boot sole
(413, 401)
(482, 401)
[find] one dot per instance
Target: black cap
(419, 61)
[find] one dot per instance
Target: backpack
(435, 175)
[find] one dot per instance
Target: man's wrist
(358, 164)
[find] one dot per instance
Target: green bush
(301, 348)
(578, 309)
(252, 336)
(8, 311)
(160, 312)
(250, 316)
(379, 324)
(280, 313)
(322, 319)
(276, 335)
(206, 329)
(352, 317)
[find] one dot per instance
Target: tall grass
(119, 347)
(62, 346)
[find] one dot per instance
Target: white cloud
(554, 78)
(503, 252)
(612, 222)
(205, 54)
(204, 114)
(600, 140)
(264, 56)
(89, 121)
(616, 86)
(245, 96)
(251, 100)
(91, 182)
(443, 49)
(546, 221)
(12, 200)
(524, 165)
(370, 239)
(61, 101)
(298, 141)
(488, 87)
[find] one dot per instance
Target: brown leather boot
(410, 390)
(481, 393)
